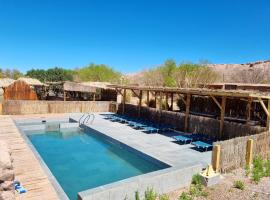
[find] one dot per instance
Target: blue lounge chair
(183, 138)
(202, 145)
(18, 187)
(150, 129)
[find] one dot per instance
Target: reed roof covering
(78, 87)
(199, 91)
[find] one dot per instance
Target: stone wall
(197, 124)
(6, 173)
(19, 107)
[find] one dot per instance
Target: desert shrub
(239, 185)
(185, 196)
(164, 197)
(137, 195)
(150, 194)
(258, 169)
(196, 179)
(267, 168)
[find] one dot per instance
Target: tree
(102, 73)
(52, 75)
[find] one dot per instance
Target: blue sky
(131, 35)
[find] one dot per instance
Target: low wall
(233, 151)
(197, 124)
(21, 107)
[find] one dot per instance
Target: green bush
(150, 194)
(185, 196)
(258, 169)
(164, 197)
(196, 180)
(137, 195)
(239, 185)
(267, 168)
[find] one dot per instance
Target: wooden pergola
(185, 95)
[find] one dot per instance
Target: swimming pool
(82, 160)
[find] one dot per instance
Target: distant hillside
(255, 72)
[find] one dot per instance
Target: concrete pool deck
(161, 147)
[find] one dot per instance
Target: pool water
(81, 161)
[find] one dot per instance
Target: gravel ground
(225, 189)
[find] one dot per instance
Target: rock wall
(6, 173)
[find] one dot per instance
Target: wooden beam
(119, 91)
(65, 96)
(216, 101)
(156, 100)
(249, 104)
(264, 107)
(187, 112)
(137, 95)
(222, 115)
(166, 101)
(160, 101)
(124, 102)
(140, 103)
(268, 117)
(182, 98)
(172, 101)
(147, 97)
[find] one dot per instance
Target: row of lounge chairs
(201, 141)
(146, 126)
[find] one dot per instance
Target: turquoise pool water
(81, 161)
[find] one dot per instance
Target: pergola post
(140, 103)
(124, 102)
(222, 115)
(268, 116)
(166, 101)
(65, 96)
(147, 97)
(172, 101)
(187, 112)
(160, 101)
(156, 100)
(249, 103)
(94, 97)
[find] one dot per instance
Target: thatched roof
(103, 85)
(78, 87)
(31, 81)
(4, 82)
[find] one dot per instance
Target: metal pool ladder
(84, 119)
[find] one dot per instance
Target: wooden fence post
(249, 152)
(216, 158)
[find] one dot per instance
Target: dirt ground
(225, 189)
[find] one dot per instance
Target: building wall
(19, 90)
(19, 107)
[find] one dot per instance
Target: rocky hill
(255, 72)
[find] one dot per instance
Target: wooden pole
(64, 95)
(216, 157)
(172, 101)
(94, 97)
(249, 152)
(140, 104)
(187, 112)
(160, 101)
(124, 102)
(249, 103)
(166, 101)
(156, 100)
(147, 97)
(268, 116)
(222, 115)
